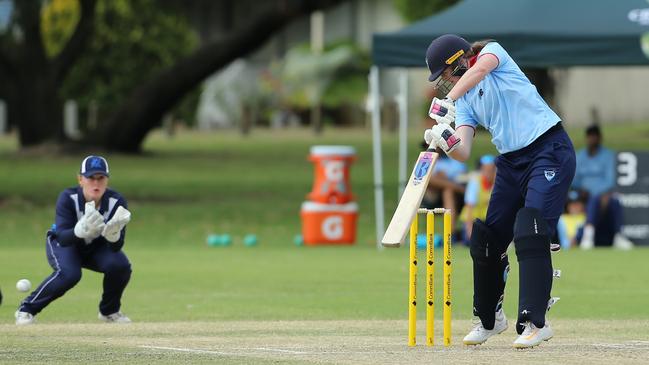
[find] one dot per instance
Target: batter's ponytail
(476, 47)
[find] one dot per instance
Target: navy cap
(92, 165)
(444, 51)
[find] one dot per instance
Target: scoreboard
(633, 192)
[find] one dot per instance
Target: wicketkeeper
(484, 86)
(89, 233)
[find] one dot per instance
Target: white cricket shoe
(533, 336)
(24, 318)
(622, 243)
(480, 335)
(117, 317)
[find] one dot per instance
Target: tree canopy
(133, 40)
(136, 58)
(413, 10)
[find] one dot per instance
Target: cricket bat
(410, 200)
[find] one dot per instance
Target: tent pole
(375, 102)
(403, 128)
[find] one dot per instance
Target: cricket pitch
(313, 342)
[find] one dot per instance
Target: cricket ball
(23, 285)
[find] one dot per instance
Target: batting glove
(442, 110)
(442, 136)
(90, 225)
(114, 227)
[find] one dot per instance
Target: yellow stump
(430, 278)
(447, 278)
(412, 285)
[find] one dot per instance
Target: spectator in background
(595, 179)
(446, 185)
(477, 194)
(571, 223)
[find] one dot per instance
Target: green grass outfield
(187, 295)
(289, 283)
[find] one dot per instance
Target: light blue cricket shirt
(507, 104)
(595, 174)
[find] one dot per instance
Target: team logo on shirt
(549, 174)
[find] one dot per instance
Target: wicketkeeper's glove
(90, 225)
(113, 228)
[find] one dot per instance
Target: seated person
(595, 179)
(477, 194)
(571, 223)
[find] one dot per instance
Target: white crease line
(323, 352)
(195, 351)
(634, 345)
(292, 352)
(199, 351)
(280, 350)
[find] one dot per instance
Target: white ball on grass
(23, 285)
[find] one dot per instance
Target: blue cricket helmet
(444, 51)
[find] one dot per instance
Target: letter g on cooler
(332, 227)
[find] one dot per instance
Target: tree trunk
(126, 129)
(33, 105)
(316, 118)
(37, 107)
(31, 81)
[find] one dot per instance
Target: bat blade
(410, 200)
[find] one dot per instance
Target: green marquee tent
(536, 33)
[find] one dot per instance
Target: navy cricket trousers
(67, 262)
(537, 176)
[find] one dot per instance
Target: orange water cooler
(329, 215)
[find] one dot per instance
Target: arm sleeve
(463, 114)
(494, 48)
(66, 219)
